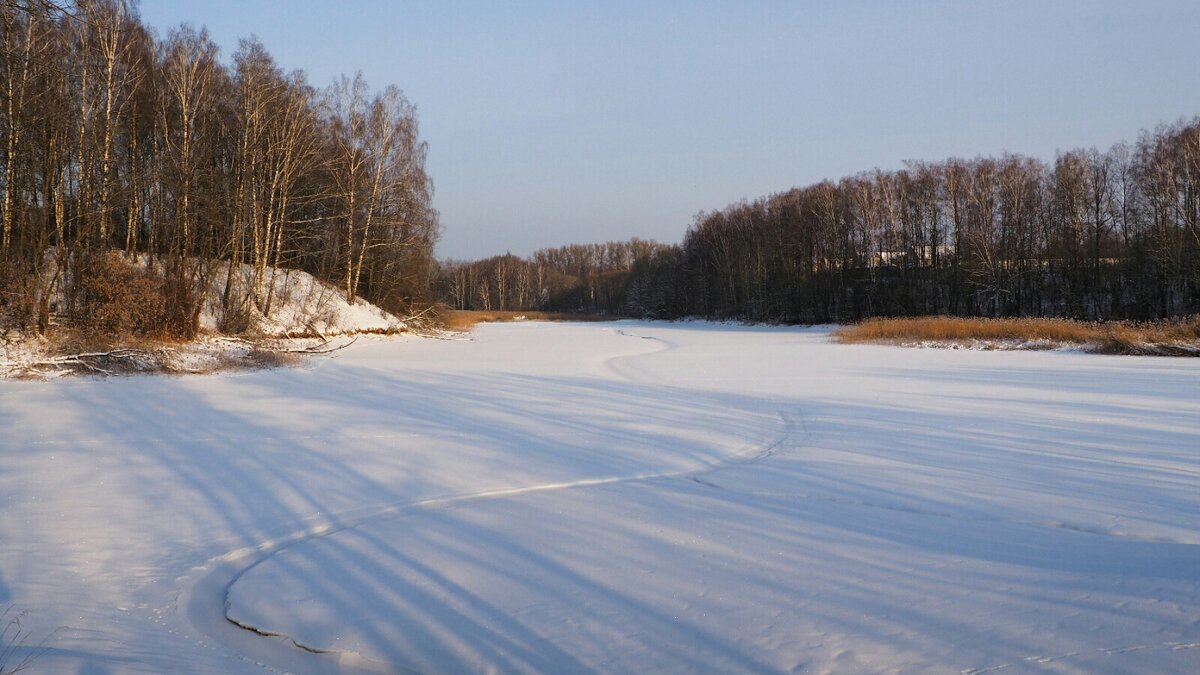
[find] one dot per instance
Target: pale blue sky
(571, 122)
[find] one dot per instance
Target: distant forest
(134, 167)
(131, 165)
(1094, 235)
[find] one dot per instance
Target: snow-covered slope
(614, 497)
(301, 304)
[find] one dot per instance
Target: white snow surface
(621, 497)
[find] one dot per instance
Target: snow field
(613, 497)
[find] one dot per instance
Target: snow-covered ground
(623, 497)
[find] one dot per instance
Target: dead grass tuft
(1181, 337)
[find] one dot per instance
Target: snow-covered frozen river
(621, 497)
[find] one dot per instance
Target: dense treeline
(112, 139)
(591, 278)
(1094, 235)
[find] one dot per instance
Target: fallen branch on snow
(318, 348)
(86, 360)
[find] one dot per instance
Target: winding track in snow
(203, 599)
(204, 593)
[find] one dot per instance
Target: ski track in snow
(780, 434)
(267, 648)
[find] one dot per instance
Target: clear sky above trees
(557, 122)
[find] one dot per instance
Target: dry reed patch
(1181, 337)
(950, 328)
(461, 319)
(1170, 338)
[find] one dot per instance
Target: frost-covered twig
(12, 638)
(314, 329)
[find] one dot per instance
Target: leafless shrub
(115, 297)
(236, 319)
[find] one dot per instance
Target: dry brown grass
(1180, 337)
(65, 340)
(458, 319)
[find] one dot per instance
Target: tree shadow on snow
(257, 456)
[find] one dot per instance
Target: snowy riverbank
(615, 497)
